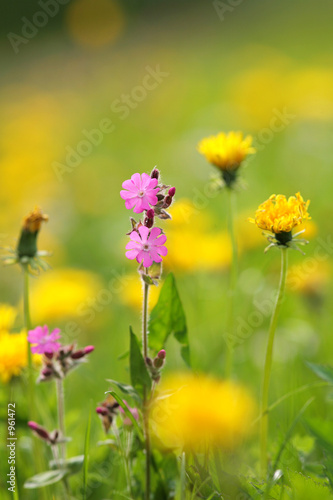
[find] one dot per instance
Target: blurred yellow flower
(7, 317)
(194, 413)
(211, 251)
(309, 278)
(280, 215)
(132, 293)
(95, 23)
(56, 295)
(226, 151)
(14, 355)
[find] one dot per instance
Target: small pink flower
(146, 246)
(45, 341)
(141, 192)
(134, 411)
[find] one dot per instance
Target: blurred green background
(265, 68)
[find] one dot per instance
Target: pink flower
(146, 246)
(134, 411)
(45, 341)
(141, 192)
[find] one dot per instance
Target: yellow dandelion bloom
(226, 151)
(33, 221)
(280, 215)
(7, 317)
(13, 355)
(193, 412)
(59, 294)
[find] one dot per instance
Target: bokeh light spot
(95, 23)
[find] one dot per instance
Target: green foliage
(168, 318)
(140, 377)
(323, 372)
(46, 478)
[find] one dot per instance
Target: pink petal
(133, 244)
(132, 254)
(162, 250)
(127, 195)
(156, 231)
(135, 237)
(154, 255)
(144, 231)
(139, 207)
(160, 241)
(147, 260)
(130, 203)
(151, 198)
(130, 186)
(136, 178)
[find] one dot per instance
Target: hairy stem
(232, 282)
(268, 362)
(61, 416)
(145, 391)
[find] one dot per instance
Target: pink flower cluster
(44, 341)
(144, 193)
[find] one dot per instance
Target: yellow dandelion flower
(59, 294)
(280, 215)
(33, 221)
(227, 152)
(13, 355)
(193, 412)
(7, 317)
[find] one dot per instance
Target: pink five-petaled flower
(45, 341)
(146, 245)
(141, 192)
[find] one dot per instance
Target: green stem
(232, 281)
(27, 326)
(183, 477)
(145, 392)
(61, 417)
(268, 363)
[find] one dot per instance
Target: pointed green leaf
(168, 318)
(140, 377)
(45, 478)
(322, 431)
(323, 372)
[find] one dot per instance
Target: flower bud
(161, 354)
(88, 349)
(40, 431)
(101, 410)
(167, 201)
(155, 174)
(78, 354)
(27, 245)
(172, 192)
(149, 361)
(149, 219)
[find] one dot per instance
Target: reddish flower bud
(78, 354)
(155, 174)
(149, 361)
(150, 213)
(172, 192)
(161, 354)
(40, 431)
(48, 355)
(88, 349)
(47, 372)
(167, 201)
(101, 410)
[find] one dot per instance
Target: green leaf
(73, 464)
(168, 318)
(127, 413)
(140, 377)
(323, 372)
(127, 389)
(305, 488)
(323, 431)
(45, 478)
